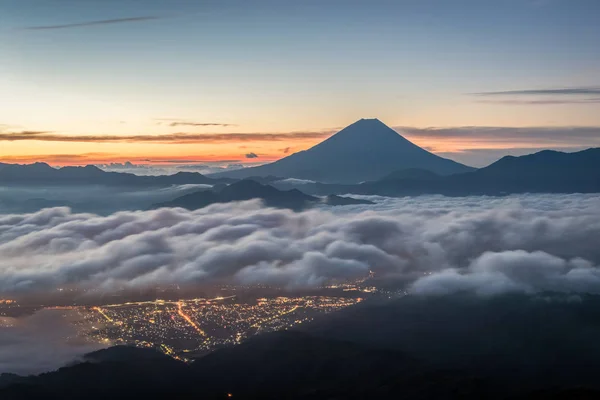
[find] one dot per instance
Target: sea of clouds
(433, 245)
(429, 245)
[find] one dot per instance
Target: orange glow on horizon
(74, 153)
(230, 151)
(265, 155)
(61, 160)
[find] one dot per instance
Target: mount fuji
(363, 151)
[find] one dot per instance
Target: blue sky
(115, 67)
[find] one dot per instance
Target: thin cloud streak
(574, 135)
(589, 135)
(174, 138)
(107, 158)
(199, 124)
(28, 133)
(539, 102)
(585, 90)
(92, 23)
(481, 145)
(458, 143)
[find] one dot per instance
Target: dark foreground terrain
(508, 347)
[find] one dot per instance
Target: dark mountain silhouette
(248, 189)
(44, 174)
(288, 365)
(521, 340)
(128, 354)
(363, 151)
(244, 190)
(411, 173)
(543, 172)
(122, 372)
(335, 200)
(450, 347)
(265, 180)
(7, 379)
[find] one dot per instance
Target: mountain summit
(366, 150)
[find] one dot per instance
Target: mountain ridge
(547, 171)
(248, 189)
(43, 174)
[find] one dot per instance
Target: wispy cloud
(186, 161)
(481, 145)
(57, 158)
(457, 142)
(541, 134)
(541, 102)
(173, 138)
(583, 90)
(550, 96)
(91, 23)
(108, 158)
(199, 124)
(25, 132)
(181, 122)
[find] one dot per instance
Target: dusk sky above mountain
(185, 81)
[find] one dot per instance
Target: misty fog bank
(431, 245)
(97, 199)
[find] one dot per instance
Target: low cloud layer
(172, 167)
(533, 243)
(515, 271)
(92, 198)
(295, 181)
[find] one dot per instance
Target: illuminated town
(189, 328)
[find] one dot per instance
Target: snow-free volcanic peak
(365, 150)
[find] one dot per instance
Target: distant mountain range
(248, 189)
(364, 151)
(44, 174)
(543, 172)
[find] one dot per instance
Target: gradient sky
(193, 80)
